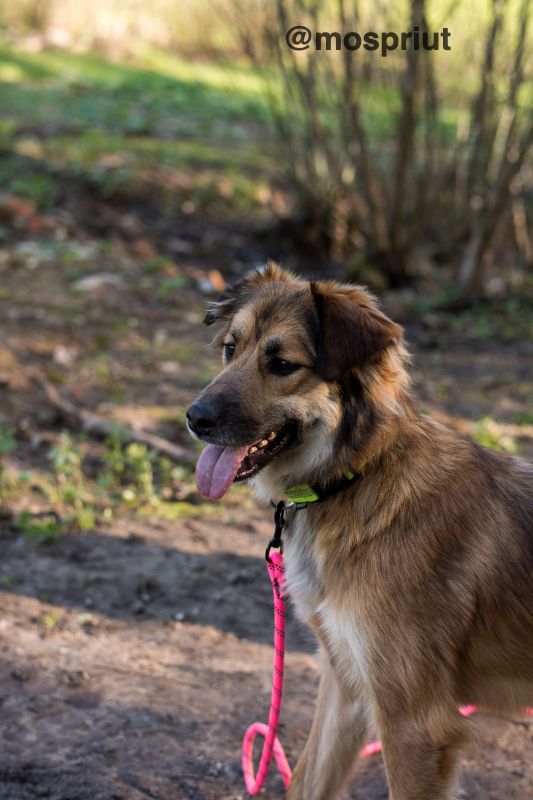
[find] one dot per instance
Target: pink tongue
(216, 469)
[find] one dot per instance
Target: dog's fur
(418, 578)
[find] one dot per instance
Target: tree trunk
(399, 234)
(479, 133)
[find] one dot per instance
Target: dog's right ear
(352, 329)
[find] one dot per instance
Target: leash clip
(280, 520)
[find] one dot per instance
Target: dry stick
(285, 132)
(300, 164)
(100, 428)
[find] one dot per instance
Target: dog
(416, 578)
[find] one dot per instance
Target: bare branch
(94, 425)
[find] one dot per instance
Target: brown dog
(417, 578)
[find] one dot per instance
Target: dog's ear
(225, 305)
(272, 272)
(233, 296)
(352, 330)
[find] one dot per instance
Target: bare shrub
(419, 149)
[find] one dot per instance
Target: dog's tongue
(216, 469)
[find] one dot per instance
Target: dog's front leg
(422, 763)
(338, 731)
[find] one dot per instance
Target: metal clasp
(280, 520)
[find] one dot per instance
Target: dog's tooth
(271, 436)
(263, 443)
(252, 450)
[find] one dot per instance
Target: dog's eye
(229, 351)
(280, 366)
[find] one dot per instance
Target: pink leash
(272, 745)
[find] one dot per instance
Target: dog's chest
(301, 572)
(315, 602)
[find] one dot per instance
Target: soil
(133, 656)
(150, 698)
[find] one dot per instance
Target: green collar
(302, 494)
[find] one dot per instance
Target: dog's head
(307, 368)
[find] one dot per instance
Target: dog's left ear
(233, 296)
(226, 303)
(352, 329)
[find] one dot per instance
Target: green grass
(488, 433)
(508, 320)
(7, 440)
(500, 320)
(131, 478)
(192, 132)
(524, 418)
(158, 89)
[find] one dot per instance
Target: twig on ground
(100, 428)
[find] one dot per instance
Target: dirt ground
(151, 699)
(134, 655)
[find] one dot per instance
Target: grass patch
(7, 440)
(72, 118)
(524, 418)
(488, 433)
(508, 320)
(44, 528)
(159, 93)
(129, 477)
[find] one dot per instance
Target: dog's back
(497, 667)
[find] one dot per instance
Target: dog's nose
(203, 418)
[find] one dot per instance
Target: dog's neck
(321, 459)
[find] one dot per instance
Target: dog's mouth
(264, 451)
(218, 467)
